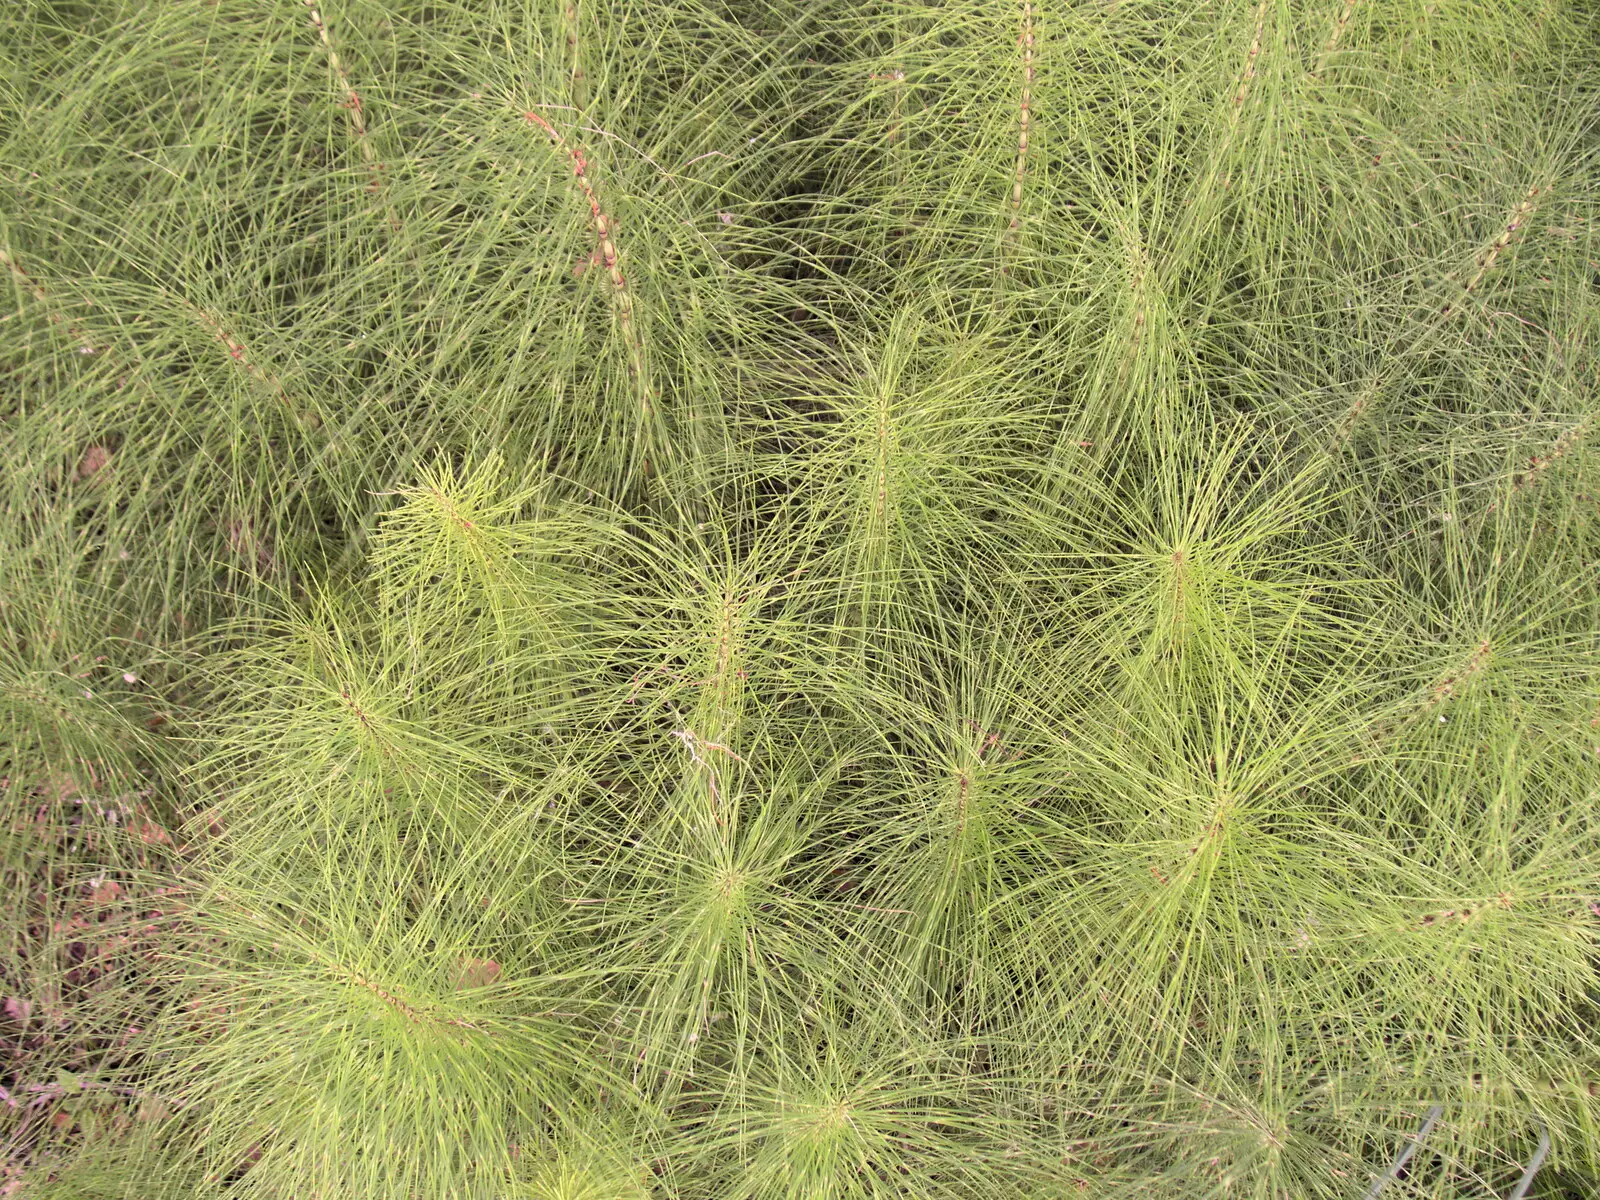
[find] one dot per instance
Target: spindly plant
(799, 600)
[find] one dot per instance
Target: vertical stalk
(1202, 203)
(1353, 414)
(1538, 464)
(1025, 42)
(1141, 314)
(604, 226)
(237, 352)
(354, 111)
(577, 81)
(1486, 260)
(1247, 76)
(1332, 44)
(86, 344)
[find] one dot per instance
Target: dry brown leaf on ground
(96, 459)
(476, 973)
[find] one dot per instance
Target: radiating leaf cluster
(756, 600)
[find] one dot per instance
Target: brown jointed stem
(604, 226)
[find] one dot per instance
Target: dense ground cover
(798, 598)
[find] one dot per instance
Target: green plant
(755, 599)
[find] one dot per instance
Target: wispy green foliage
(795, 601)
